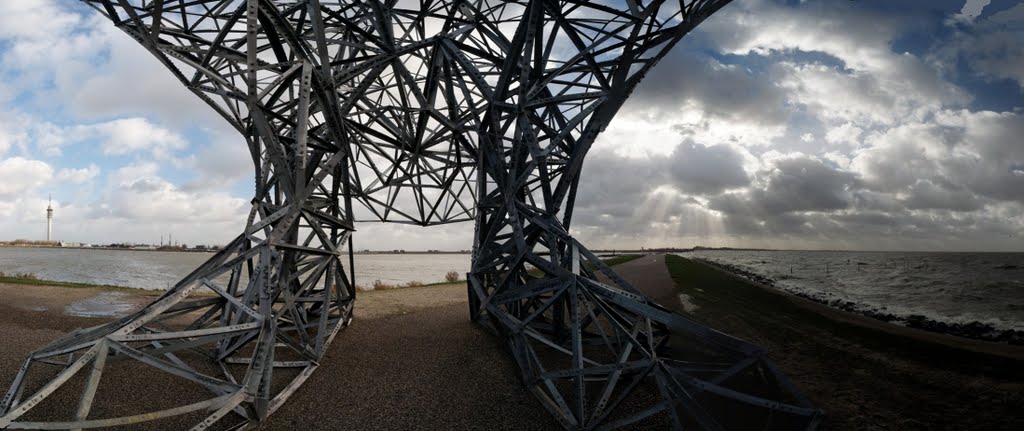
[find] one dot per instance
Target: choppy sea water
(159, 270)
(971, 294)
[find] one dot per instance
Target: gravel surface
(428, 370)
(648, 274)
(411, 360)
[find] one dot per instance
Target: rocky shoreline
(974, 330)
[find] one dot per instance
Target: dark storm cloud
(707, 170)
(615, 186)
(993, 48)
(932, 164)
(805, 184)
(792, 185)
(926, 195)
(629, 195)
(871, 201)
(928, 166)
(720, 90)
(869, 218)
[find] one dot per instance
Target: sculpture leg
(598, 354)
(312, 86)
(248, 326)
(249, 312)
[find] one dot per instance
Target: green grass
(617, 260)
(777, 317)
(33, 280)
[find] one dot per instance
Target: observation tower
(49, 219)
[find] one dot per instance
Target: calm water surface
(160, 270)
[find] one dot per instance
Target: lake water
(160, 270)
(951, 288)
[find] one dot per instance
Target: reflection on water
(105, 304)
(160, 270)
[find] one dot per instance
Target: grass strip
(616, 260)
(777, 316)
(32, 280)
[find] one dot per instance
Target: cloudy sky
(839, 124)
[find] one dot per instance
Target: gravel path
(425, 370)
(650, 275)
(412, 360)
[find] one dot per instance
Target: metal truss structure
(422, 112)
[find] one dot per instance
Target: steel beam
(422, 112)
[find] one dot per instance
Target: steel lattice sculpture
(422, 112)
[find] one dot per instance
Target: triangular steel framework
(422, 112)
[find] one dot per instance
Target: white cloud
(637, 137)
(976, 150)
(869, 98)
(97, 70)
(137, 192)
(18, 175)
(814, 130)
(6, 138)
(78, 176)
(871, 83)
(15, 131)
(990, 46)
(137, 204)
(128, 174)
(34, 19)
(128, 135)
(155, 200)
(971, 10)
(223, 159)
(703, 99)
(846, 133)
(855, 35)
(872, 145)
(115, 137)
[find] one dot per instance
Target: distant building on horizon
(49, 219)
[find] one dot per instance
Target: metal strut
(421, 112)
